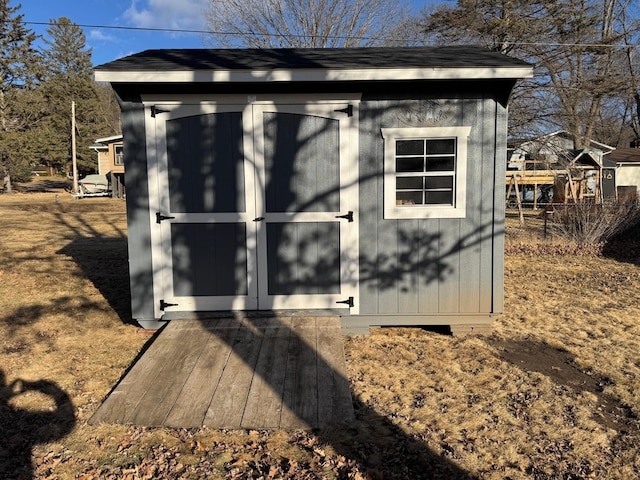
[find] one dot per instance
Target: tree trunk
(6, 174)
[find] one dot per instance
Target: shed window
(425, 172)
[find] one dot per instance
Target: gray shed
(366, 183)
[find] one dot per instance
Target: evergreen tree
(19, 75)
(69, 77)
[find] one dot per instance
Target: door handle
(258, 219)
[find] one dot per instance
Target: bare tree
(577, 47)
(582, 61)
(307, 23)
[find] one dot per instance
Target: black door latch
(164, 305)
(348, 302)
(348, 216)
(160, 217)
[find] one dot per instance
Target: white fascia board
(109, 139)
(313, 75)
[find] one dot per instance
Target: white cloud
(183, 14)
(100, 36)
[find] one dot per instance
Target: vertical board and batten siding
(138, 226)
(431, 267)
(412, 271)
(499, 209)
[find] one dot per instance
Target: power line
(185, 30)
(143, 29)
(213, 32)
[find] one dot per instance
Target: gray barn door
(253, 207)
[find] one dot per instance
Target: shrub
(592, 224)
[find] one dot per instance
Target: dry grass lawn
(552, 393)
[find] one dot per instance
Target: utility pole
(73, 147)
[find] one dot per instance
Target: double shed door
(255, 206)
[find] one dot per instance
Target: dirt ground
(553, 392)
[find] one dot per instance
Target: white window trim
(118, 152)
(458, 210)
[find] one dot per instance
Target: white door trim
(254, 182)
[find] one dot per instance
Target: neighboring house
(111, 162)
(365, 183)
(550, 163)
(553, 148)
(627, 162)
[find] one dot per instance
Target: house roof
(111, 139)
(326, 64)
(625, 155)
(565, 134)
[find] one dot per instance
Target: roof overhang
(112, 138)
(313, 75)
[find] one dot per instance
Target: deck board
(255, 373)
(264, 403)
(192, 404)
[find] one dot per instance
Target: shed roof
(326, 64)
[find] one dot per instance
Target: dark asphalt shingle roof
(325, 58)
(625, 155)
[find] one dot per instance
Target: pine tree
(69, 77)
(19, 75)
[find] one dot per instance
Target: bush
(584, 224)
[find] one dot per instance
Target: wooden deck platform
(256, 373)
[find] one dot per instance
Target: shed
(366, 183)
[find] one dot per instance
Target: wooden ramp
(248, 373)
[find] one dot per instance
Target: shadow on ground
(560, 366)
(21, 430)
(104, 261)
(44, 186)
(625, 247)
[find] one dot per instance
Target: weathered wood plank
(229, 400)
(300, 396)
(173, 373)
(193, 402)
(334, 395)
(237, 373)
(123, 401)
(264, 403)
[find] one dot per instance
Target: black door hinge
(164, 305)
(348, 301)
(160, 217)
(348, 216)
(348, 110)
(155, 110)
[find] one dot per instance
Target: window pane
(433, 183)
(409, 183)
(410, 147)
(440, 164)
(410, 164)
(438, 198)
(408, 198)
(436, 147)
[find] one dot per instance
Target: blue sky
(109, 44)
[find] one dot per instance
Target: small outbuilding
(366, 183)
